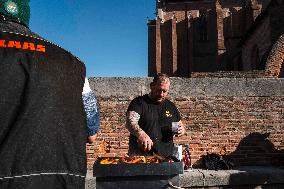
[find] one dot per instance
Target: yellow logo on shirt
(168, 114)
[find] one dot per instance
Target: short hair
(160, 78)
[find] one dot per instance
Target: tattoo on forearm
(132, 119)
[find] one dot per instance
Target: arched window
(203, 29)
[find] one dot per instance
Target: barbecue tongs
(164, 151)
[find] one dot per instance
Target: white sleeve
(91, 109)
(86, 88)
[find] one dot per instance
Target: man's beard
(157, 99)
(160, 99)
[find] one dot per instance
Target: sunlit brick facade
(211, 35)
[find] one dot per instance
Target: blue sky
(110, 37)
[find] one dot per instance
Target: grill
(136, 176)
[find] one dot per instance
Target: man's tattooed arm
(132, 119)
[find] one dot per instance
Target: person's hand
(144, 141)
(181, 129)
(92, 139)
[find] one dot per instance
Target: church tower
(195, 35)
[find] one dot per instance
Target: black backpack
(216, 162)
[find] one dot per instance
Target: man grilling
(149, 119)
(42, 119)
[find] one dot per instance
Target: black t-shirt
(155, 119)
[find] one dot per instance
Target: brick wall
(275, 59)
(245, 116)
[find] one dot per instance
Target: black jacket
(42, 119)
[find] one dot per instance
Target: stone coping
(249, 175)
(127, 88)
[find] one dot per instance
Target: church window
(203, 26)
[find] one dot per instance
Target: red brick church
(190, 36)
